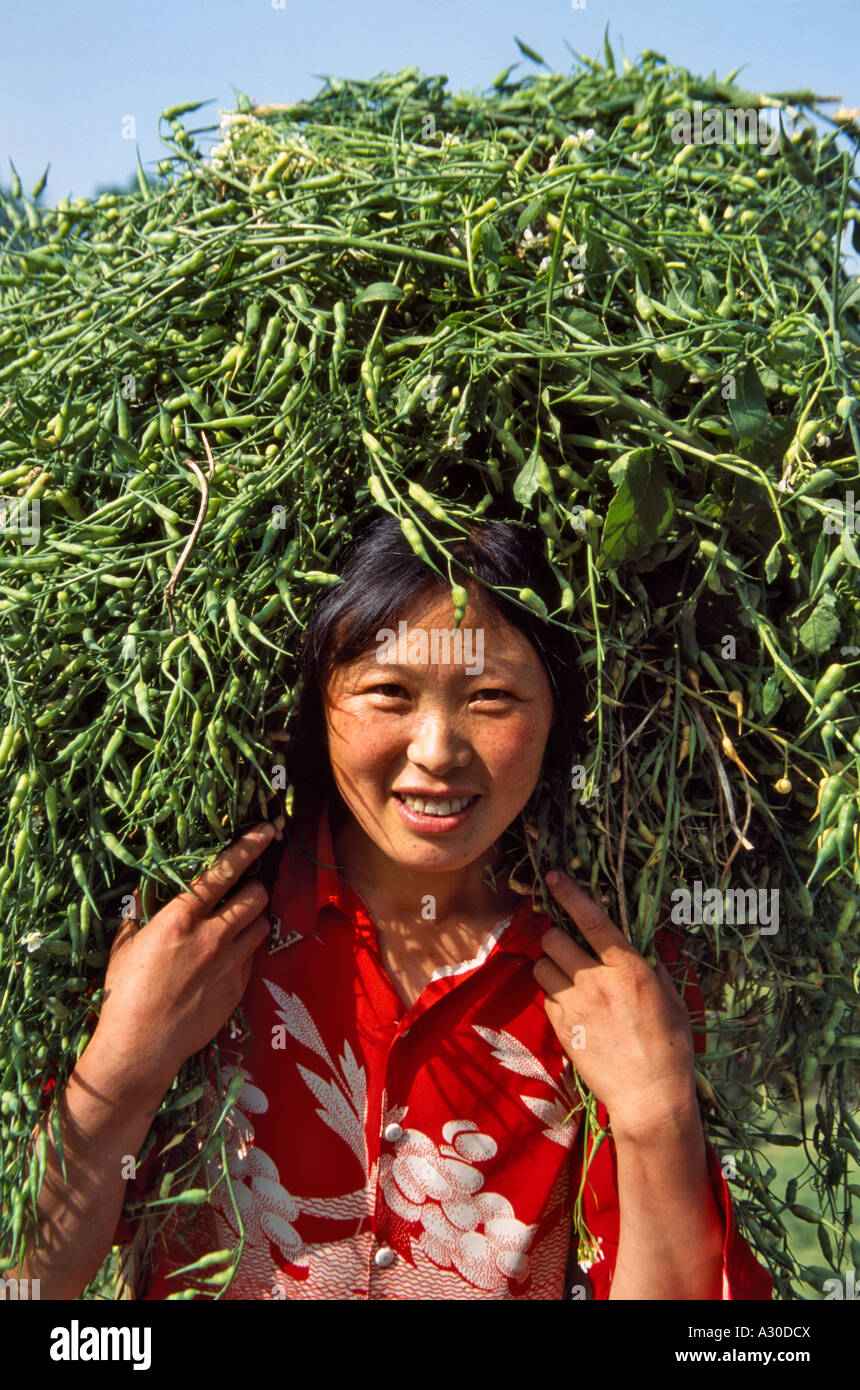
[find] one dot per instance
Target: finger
(125, 932)
(130, 920)
(240, 909)
(252, 936)
(246, 944)
(601, 933)
(550, 978)
(206, 891)
(675, 990)
(144, 904)
(569, 956)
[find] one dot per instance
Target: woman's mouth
(435, 815)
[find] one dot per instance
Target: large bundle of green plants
(562, 302)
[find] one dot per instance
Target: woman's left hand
(620, 1021)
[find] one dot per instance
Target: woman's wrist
(106, 1070)
(655, 1126)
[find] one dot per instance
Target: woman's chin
(439, 842)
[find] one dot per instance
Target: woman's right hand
(172, 984)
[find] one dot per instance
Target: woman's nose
(435, 744)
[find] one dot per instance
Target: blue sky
(72, 71)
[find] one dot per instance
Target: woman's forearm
(671, 1231)
(104, 1117)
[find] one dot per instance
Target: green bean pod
(418, 494)
(268, 343)
(829, 846)
(828, 684)
(831, 791)
(533, 601)
(845, 828)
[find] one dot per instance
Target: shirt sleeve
(743, 1277)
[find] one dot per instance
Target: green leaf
(666, 377)
(771, 696)
(491, 242)
(607, 51)
(530, 211)
(491, 250)
(380, 289)
(583, 321)
(748, 410)
(821, 628)
(639, 513)
(528, 52)
(849, 550)
(527, 479)
(773, 562)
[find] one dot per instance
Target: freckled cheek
(360, 742)
(512, 747)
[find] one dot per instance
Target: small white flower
(528, 234)
(784, 485)
(456, 441)
(32, 941)
(822, 441)
(547, 261)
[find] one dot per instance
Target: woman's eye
(491, 694)
(391, 692)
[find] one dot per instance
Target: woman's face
(410, 724)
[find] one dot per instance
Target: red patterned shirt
(380, 1152)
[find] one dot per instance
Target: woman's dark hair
(381, 577)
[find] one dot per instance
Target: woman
(409, 1123)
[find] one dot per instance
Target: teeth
(436, 808)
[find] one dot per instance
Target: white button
(393, 1133)
(384, 1256)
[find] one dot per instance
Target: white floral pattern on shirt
(473, 1235)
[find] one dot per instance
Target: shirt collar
(308, 881)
